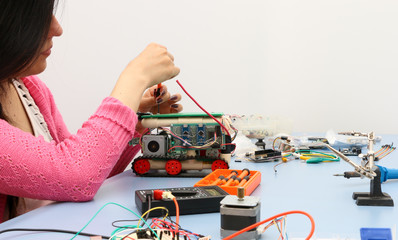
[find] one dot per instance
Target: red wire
(276, 216)
(203, 108)
(177, 213)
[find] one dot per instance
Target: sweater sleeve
(71, 168)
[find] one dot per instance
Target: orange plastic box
(249, 186)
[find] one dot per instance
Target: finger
(175, 98)
(160, 45)
(163, 90)
(163, 98)
(170, 56)
(176, 108)
(153, 44)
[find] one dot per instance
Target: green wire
(109, 203)
(322, 153)
(119, 229)
(328, 157)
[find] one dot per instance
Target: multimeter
(191, 200)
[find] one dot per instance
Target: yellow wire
(277, 226)
(150, 210)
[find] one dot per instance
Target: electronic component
(154, 144)
(267, 155)
(238, 212)
(352, 151)
(314, 142)
(190, 200)
(185, 141)
(146, 234)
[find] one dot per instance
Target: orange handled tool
(230, 181)
(244, 180)
(245, 172)
(218, 180)
(222, 180)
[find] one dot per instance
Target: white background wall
(323, 64)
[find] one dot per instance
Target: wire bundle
(280, 223)
(384, 151)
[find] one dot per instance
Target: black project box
(191, 200)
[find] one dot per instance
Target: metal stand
(375, 197)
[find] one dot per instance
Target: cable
(276, 216)
(203, 108)
(50, 230)
(125, 226)
(384, 151)
(149, 199)
(162, 195)
(311, 156)
(152, 209)
(177, 211)
(111, 203)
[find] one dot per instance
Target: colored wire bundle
(160, 226)
(384, 151)
(284, 145)
(280, 223)
(311, 156)
(111, 203)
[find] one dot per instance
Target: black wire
(149, 199)
(50, 230)
(117, 226)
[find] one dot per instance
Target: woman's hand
(164, 103)
(152, 66)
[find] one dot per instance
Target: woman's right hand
(152, 66)
(155, 64)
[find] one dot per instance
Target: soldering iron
(385, 174)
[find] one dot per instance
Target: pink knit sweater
(71, 167)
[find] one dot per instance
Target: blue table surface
(295, 186)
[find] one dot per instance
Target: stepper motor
(238, 212)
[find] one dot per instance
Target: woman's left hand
(164, 103)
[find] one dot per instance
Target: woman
(39, 158)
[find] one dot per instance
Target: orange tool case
(249, 186)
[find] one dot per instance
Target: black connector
(140, 114)
(142, 234)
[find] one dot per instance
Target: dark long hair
(24, 26)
